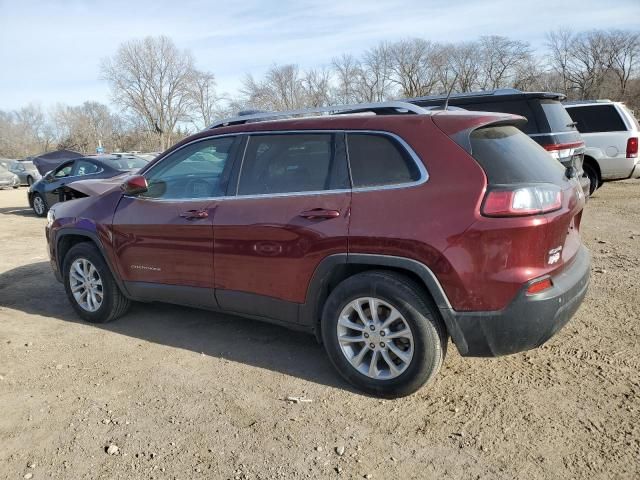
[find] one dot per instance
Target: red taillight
(563, 150)
(520, 200)
(632, 147)
(539, 286)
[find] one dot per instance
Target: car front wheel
(39, 205)
(383, 334)
(90, 286)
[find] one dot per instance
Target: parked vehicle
(6, 163)
(52, 188)
(8, 179)
(548, 123)
(26, 172)
(611, 134)
(359, 228)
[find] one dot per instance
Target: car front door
(290, 211)
(164, 237)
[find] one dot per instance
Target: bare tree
(464, 61)
(347, 71)
(282, 88)
(374, 80)
(501, 59)
(623, 57)
(204, 98)
(412, 66)
(152, 78)
(317, 89)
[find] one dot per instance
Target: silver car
(26, 172)
(8, 179)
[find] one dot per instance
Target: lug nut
(372, 327)
(382, 334)
(382, 344)
(372, 345)
(366, 335)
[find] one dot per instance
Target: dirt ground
(190, 394)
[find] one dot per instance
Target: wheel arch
(336, 268)
(593, 163)
(69, 237)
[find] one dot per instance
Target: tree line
(160, 96)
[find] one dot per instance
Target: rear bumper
(635, 173)
(529, 321)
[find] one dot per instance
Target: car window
(199, 170)
(290, 163)
(557, 116)
(84, 167)
(515, 107)
(378, 160)
(64, 171)
(128, 163)
(597, 118)
(631, 115)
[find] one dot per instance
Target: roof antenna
(446, 101)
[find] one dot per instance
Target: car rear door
(290, 210)
(164, 237)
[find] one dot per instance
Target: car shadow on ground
(21, 211)
(215, 334)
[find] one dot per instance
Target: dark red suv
(384, 229)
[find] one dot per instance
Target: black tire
(16, 187)
(114, 303)
(594, 178)
(39, 211)
(419, 312)
(29, 180)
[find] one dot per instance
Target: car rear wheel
(383, 334)
(29, 180)
(39, 205)
(90, 286)
(592, 175)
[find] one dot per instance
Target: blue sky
(50, 51)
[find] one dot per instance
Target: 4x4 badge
(554, 255)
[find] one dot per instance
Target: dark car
(548, 123)
(358, 228)
(26, 171)
(52, 188)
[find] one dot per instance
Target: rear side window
(290, 163)
(509, 156)
(597, 118)
(378, 160)
(557, 116)
(516, 107)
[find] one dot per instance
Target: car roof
(486, 96)
(589, 103)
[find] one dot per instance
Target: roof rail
(379, 108)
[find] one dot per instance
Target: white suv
(610, 132)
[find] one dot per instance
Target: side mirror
(135, 185)
(49, 176)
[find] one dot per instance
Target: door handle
(319, 213)
(194, 214)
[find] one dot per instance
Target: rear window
(516, 107)
(127, 163)
(557, 116)
(378, 160)
(597, 118)
(509, 156)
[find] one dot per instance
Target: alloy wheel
(38, 205)
(86, 285)
(375, 338)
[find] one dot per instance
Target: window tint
(509, 156)
(516, 107)
(199, 170)
(84, 167)
(128, 163)
(289, 163)
(378, 160)
(64, 171)
(597, 118)
(557, 116)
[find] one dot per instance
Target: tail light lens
(563, 150)
(632, 147)
(539, 286)
(519, 201)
